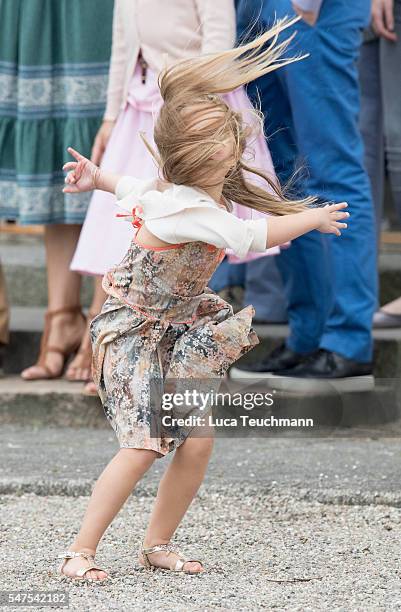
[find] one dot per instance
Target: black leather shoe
(280, 358)
(326, 366)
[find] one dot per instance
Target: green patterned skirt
(54, 61)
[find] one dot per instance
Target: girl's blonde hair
(194, 121)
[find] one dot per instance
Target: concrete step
(59, 403)
(23, 259)
(27, 323)
(48, 403)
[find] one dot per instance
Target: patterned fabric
(161, 323)
(54, 61)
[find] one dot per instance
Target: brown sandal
(45, 348)
(86, 357)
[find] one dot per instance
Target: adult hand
(101, 140)
(383, 19)
(310, 17)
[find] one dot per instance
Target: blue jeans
(228, 275)
(262, 283)
(311, 109)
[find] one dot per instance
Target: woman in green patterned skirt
(54, 60)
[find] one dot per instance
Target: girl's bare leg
(177, 489)
(80, 366)
(63, 288)
(108, 496)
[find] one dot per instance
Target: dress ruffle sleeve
(182, 214)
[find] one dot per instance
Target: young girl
(142, 47)
(160, 321)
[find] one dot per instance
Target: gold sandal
(168, 548)
(80, 573)
(46, 348)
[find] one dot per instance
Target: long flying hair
(195, 121)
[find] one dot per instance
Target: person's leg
(4, 309)
(303, 266)
(177, 489)
(342, 173)
(63, 286)
(108, 496)
(80, 366)
(227, 275)
(325, 111)
(390, 60)
(265, 291)
(371, 121)
(4, 319)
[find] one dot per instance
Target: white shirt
(179, 214)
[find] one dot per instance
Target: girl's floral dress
(160, 325)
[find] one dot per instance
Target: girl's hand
(82, 175)
(101, 140)
(331, 217)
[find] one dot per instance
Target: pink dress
(105, 238)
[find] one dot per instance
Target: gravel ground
(260, 552)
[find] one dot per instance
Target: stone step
(48, 403)
(27, 323)
(59, 403)
(23, 259)
(24, 265)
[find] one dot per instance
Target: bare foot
(66, 329)
(90, 388)
(72, 565)
(168, 560)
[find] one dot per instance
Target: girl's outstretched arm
(83, 175)
(327, 220)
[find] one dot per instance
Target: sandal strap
(71, 554)
(44, 347)
(49, 314)
(81, 572)
(85, 352)
(54, 349)
(179, 566)
(169, 548)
